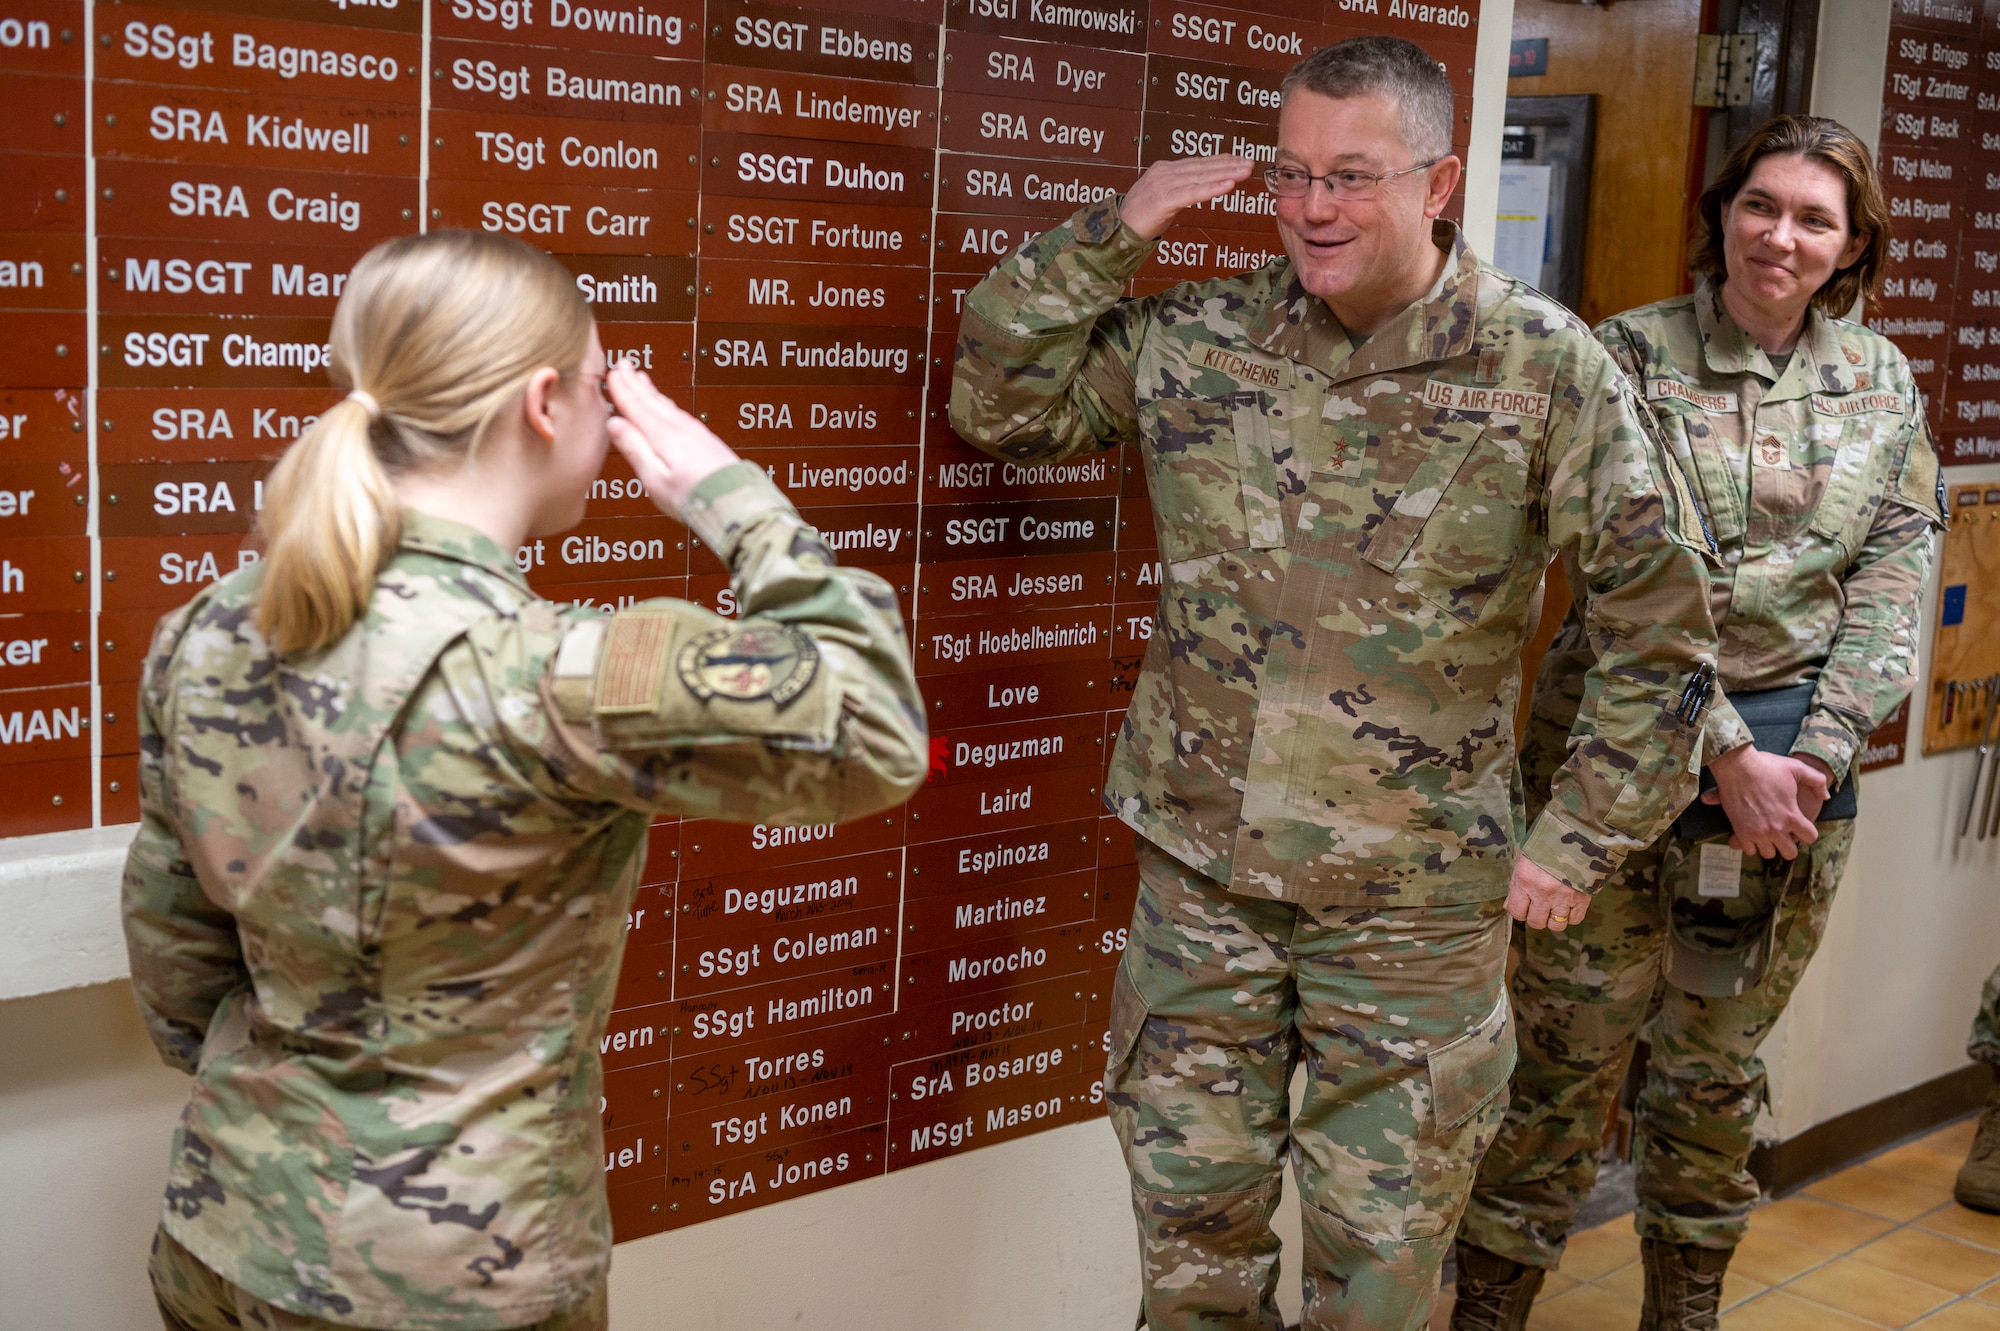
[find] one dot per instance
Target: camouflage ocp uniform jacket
(1822, 488)
(1352, 542)
(377, 899)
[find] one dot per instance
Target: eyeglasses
(1289, 182)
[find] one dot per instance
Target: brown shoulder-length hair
(1822, 140)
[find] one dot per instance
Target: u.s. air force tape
(748, 663)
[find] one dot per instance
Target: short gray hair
(1400, 70)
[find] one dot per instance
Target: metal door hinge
(1724, 66)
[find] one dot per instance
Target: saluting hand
(1165, 188)
(670, 451)
(1540, 900)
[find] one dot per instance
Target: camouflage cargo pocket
(1472, 1069)
(1195, 469)
(1457, 529)
(1128, 1023)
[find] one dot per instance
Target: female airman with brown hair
(1803, 435)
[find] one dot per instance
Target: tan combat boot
(1494, 1294)
(1978, 1183)
(1683, 1285)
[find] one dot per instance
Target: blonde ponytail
(434, 336)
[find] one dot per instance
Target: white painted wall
(1916, 928)
(1032, 1233)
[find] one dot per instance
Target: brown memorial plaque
(45, 37)
(758, 354)
(815, 229)
(42, 725)
(737, 904)
(976, 243)
(761, 1177)
(631, 287)
(815, 41)
(956, 473)
(1235, 36)
(727, 1081)
(966, 1097)
(816, 477)
(246, 53)
(607, 597)
(738, 959)
(773, 101)
(790, 1007)
(44, 193)
(157, 573)
(43, 349)
(1168, 135)
(174, 498)
(44, 494)
(971, 863)
(654, 27)
(998, 909)
(824, 417)
(498, 146)
(981, 642)
(220, 351)
(1011, 1011)
(576, 219)
(47, 113)
(1010, 749)
(1072, 132)
(45, 574)
(1114, 24)
(196, 276)
(709, 847)
(1225, 92)
(56, 797)
(251, 204)
(750, 290)
(195, 424)
(492, 76)
(1013, 693)
(768, 167)
(40, 421)
(37, 651)
(797, 1115)
(122, 638)
(1048, 72)
(987, 185)
(218, 128)
(1014, 583)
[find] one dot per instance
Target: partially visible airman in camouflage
(1813, 465)
(395, 805)
(1978, 1183)
(1361, 458)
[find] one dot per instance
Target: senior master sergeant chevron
(1361, 459)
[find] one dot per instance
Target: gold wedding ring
(1558, 919)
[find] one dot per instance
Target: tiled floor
(1879, 1245)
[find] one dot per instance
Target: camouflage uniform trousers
(1402, 1019)
(194, 1298)
(1984, 1046)
(1582, 997)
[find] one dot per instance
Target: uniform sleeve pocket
(1472, 1069)
(1856, 478)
